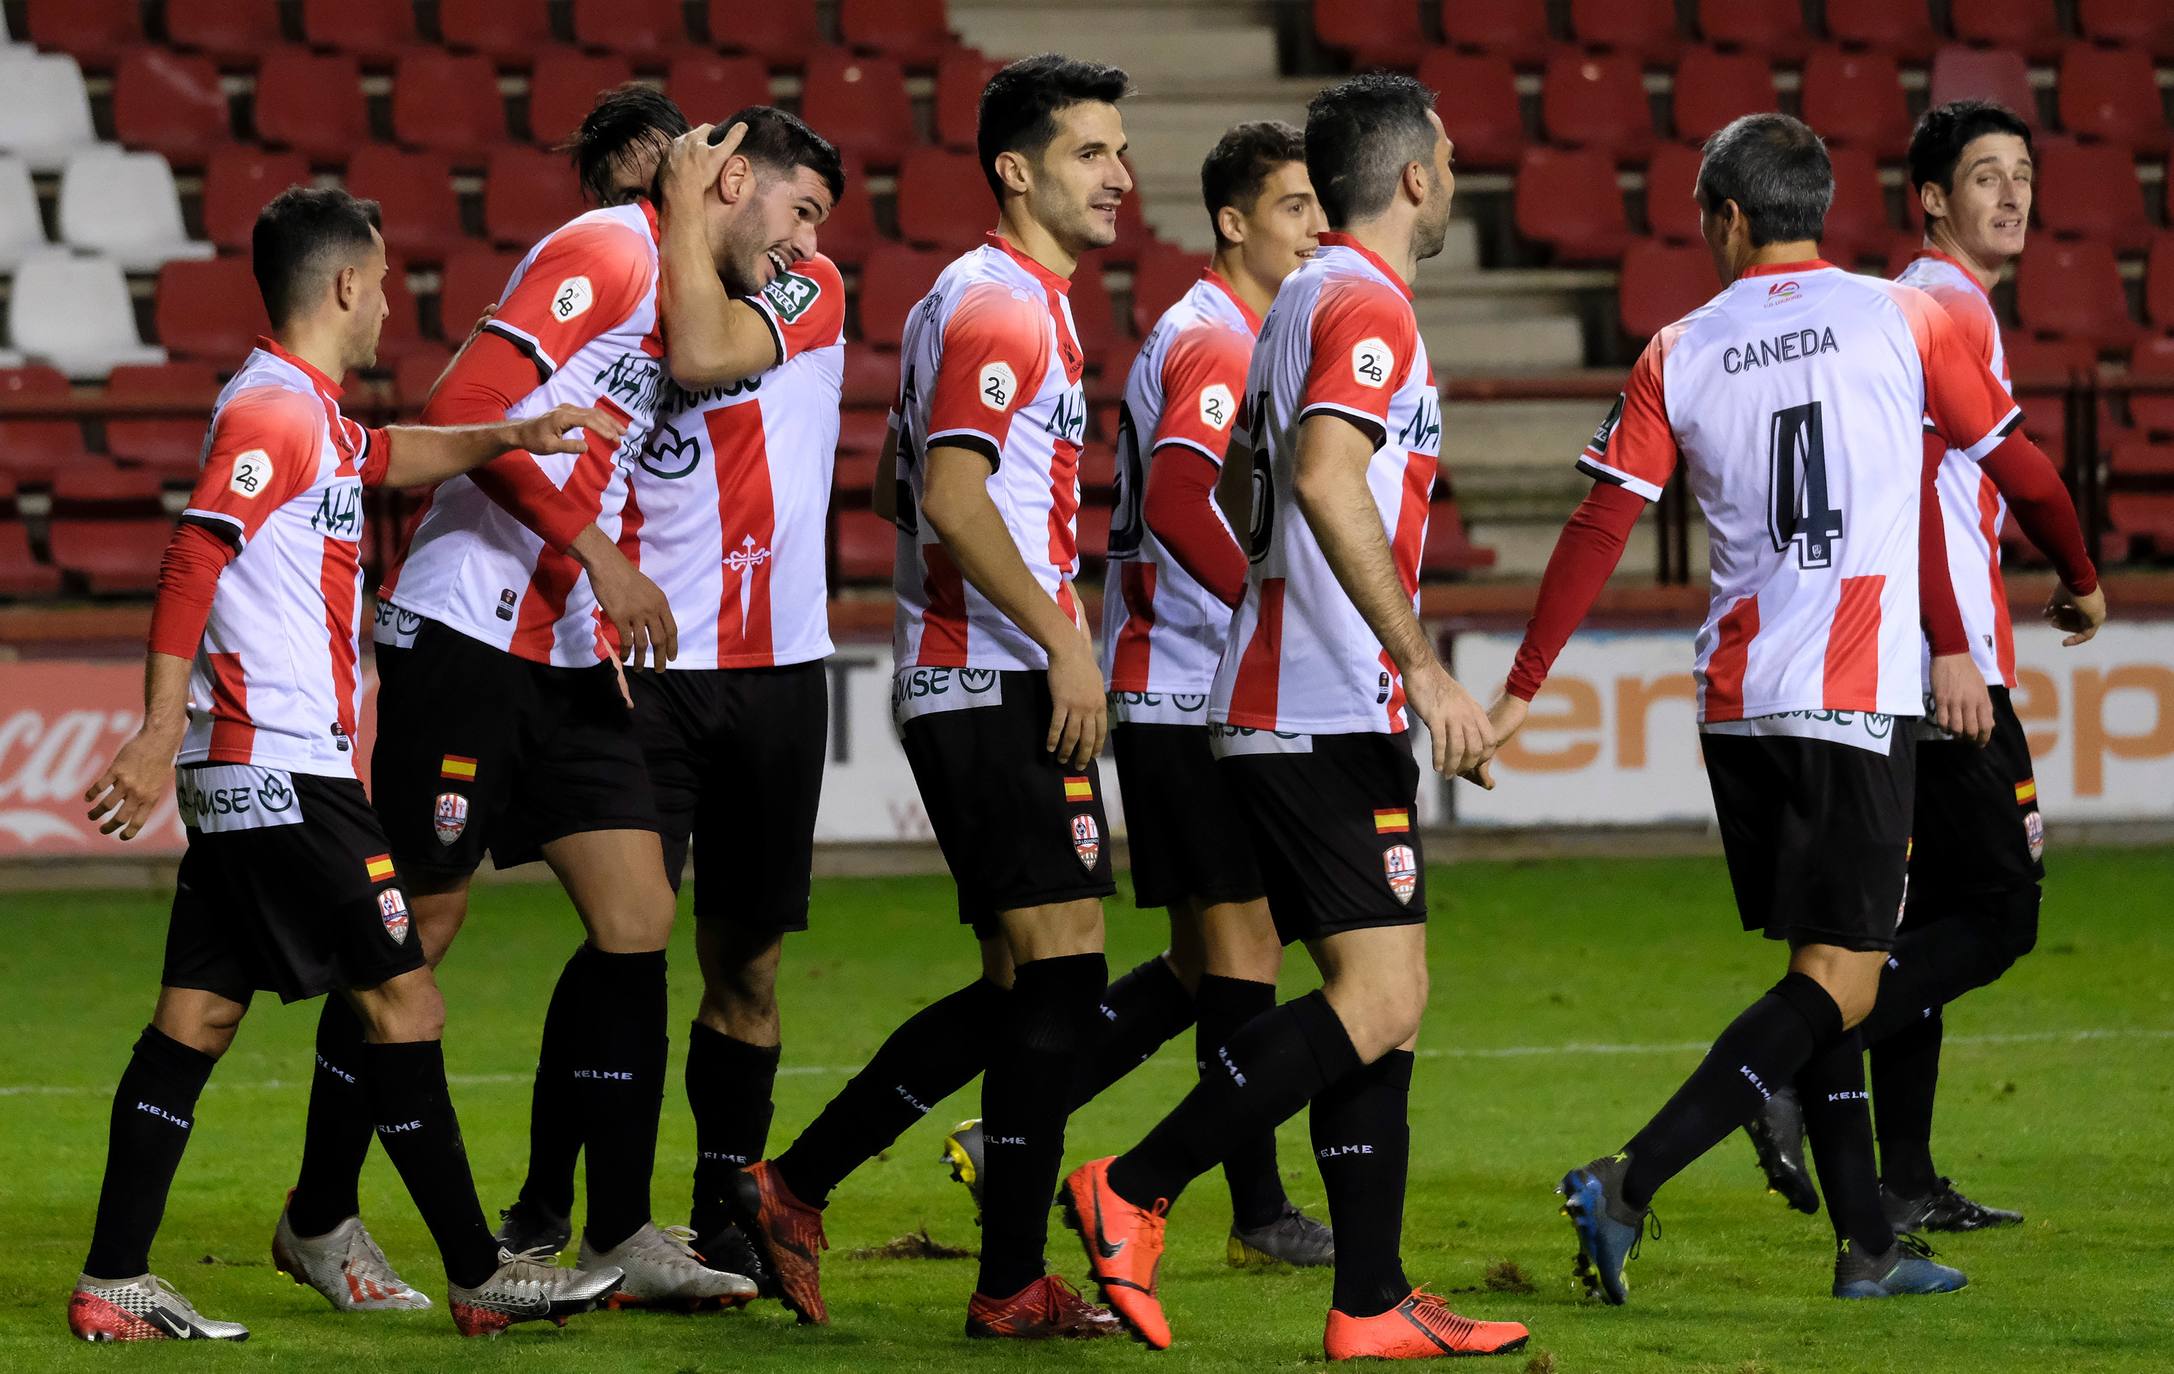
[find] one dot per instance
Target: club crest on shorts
(450, 817)
(392, 909)
(1086, 840)
(1401, 867)
(2034, 830)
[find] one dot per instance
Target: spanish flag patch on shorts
(2026, 792)
(1392, 822)
(1079, 789)
(380, 866)
(455, 766)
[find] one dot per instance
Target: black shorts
(1018, 828)
(1817, 834)
(1335, 830)
(1183, 827)
(287, 886)
(1977, 828)
(481, 749)
(736, 761)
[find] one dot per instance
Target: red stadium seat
(893, 279)
(1671, 181)
(94, 32)
(961, 75)
(2159, 282)
(111, 557)
(853, 475)
(1772, 30)
(862, 430)
(238, 182)
(417, 372)
(1568, 200)
(2112, 94)
(866, 546)
(415, 191)
(312, 103)
(31, 451)
(1134, 235)
(709, 86)
(2025, 26)
(859, 103)
(234, 32)
(170, 102)
(1900, 28)
(527, 193)
(448, 103)
(646, 30)
(1712, 88)
(507, 30)
(1857, 224)
(780, 32)
(1478, 105)
(2141, 458)
(403, 333)
(1642, 28)
(1098, 461)
(1855, 99)
(2146, 24)
(1974, 73)
(943, 199)
(374, 30)
(563, 88)
(1512, 29)
(1597, 102)
(2089, 190)
(1371, 33)
(850, 234)
(871, 377)
(1094, 534)
(2073, 290)
(915, 32)
(1093, 313)
(2146, 518)
(1663, 282)
(472, 280)
(2153, 359)
(1157, 283)
(209, 310)
(168, 446)
(1449, 550)
(97, 487)
(22, 576)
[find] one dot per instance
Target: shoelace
(1434, 1313)
(166, 1292)
(1648, 1225)
(1915, 1244)
(1067, 1305)
(521, 1262)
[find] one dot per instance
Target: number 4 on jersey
(1798, 511)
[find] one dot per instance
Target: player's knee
(1242, 942)
(203, 1021)
(1381, 1007)
(402, 1010)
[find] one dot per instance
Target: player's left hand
(1960, 704)
(133, 783)
(693, 164)
(560, 429)
(1507, 717)
(1463, 739)
(2081, 616)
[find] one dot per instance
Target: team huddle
(609, 617)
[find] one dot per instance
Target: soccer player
(251, 685)
(1324, 665)
(999, 702)
(1796, 399)
(504, 728)
(1977, 840)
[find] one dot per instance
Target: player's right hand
(1507, 717)
(1463, 738)
(693, 163)
(567, 429)
(2081, 616)
(132, 784)
(1079, 711)
(1960, 704)
(637, 607)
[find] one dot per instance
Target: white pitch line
(465, 1080)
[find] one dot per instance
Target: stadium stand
(1855, 99)
(1960, 73)
(1641, 28)
(913, 31)
(709, 86)
(643, 30)
(1901, 27)
(781, 32)
(1479, 102)
(45, 109)
(2147, 24)
(1370, 33)
(209, 311)
(109, 557)
(1663, 282)
(1713, 87)
(311, 103)
(74, 313)
(527, 193)
(94, 32)
(375, 31)
(1516, 30)
(124, 205)
(2026, 26)
(232, 33)
(237, 182)
(564, 85)
(448, 103)
(1597, 100)
(859, 101)
(31, 451)
(1567, 199)
(2112, 94)
(508, 31)
(2092, 193)
(168, 448)
(2073, 290)
(941, 195)
(415, 192)
(171, 103)
(22, 225)
(1772, 31)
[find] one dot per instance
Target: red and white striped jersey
(730, 496)
(1161, 630)
(583, 306)
(1340, 340)
(991, 362)
(1798, 397)
(274, 682)
(1970, 504)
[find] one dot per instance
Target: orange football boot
(1124, 1248)
(1419, 1328)
(790, 1235)
(1047, 1308)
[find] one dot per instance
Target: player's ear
(736, 180)
(347, 287)
(1013, 172)
(1417, 177)
(1933, 198)
(1230, 224)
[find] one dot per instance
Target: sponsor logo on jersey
(393, 911)
(1783, 292)
(1599, 446)
(274, 795)
(791, 295)
(449, 817)
(252, 470)
(217, 798)
(744, 560)
(572, 299)
(998, 385)
(923, 691)
(1370, 363)
(505, 603)
(457, 766)
(1396, 822)
(1086, 839)
(1217, 407)
(1401, 867)
(1079, 790)
(379, 867)
(2034, 830)
(669, 454)
(339, 510)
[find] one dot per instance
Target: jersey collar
(649, 217)
(1787, 269)
(1332, 239)
(1061, 285)
(1216, 280)
(326, 387)
(1928, 251)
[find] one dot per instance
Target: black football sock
(1025, 1099)
(939, 1050)
(1760, 1051)
(618, 1057)
(729, 1084)
(337, 1137)
(1838, 1123)
(1278, 1062)
(1938, 960)
(554, 1119)
(1139, 1013)
(415, 1120)
(1362, 1142)
(153, 1109)
(1905, 1078)
(1224, 1005)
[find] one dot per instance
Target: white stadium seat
(22, 230)
(45, 113)
(74, 313)
(124, 205)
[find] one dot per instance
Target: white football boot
(144, 1308)
(345, 1265)
(528, 1287)
(663, 1270)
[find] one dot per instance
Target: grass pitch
(1570, 996)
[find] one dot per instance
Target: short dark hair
(1020, 104)
(621, 118)
(1242, 161)
(302, 233)
(1776, 170)
(781, 142)
(1361, 133)
(1942, 132)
